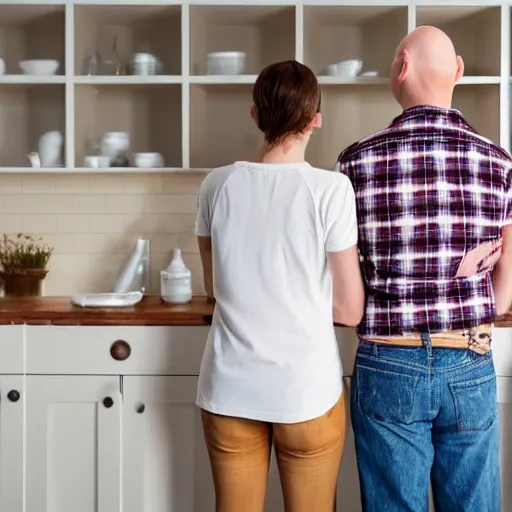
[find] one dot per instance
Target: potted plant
(24, 259)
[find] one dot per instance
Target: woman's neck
(287, 152)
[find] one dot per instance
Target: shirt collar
(431, 114)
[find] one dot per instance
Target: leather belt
(477, 339)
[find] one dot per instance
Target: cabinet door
(73, 444)
(165, 462)
(12, 399)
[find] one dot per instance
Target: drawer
(114, 350)
(11, 349)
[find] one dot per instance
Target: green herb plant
(23, 253)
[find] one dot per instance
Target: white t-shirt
(271, 353)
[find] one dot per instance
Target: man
(433, 200)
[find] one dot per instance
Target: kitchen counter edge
(151, 311)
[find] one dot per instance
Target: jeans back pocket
(386, 395)
(476, 403)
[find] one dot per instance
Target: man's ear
(405, 64)
(460, 68)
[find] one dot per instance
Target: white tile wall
(93, 222)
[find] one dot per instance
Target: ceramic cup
(2, 66)
(97, 162)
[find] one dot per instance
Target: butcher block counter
(151, 311)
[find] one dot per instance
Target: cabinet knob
(13, 395)
(120, 350)
(140, 408)
(108, 402)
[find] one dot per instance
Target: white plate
(106, 300)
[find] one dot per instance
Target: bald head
(425, 69)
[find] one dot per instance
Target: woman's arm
(348, 287)
(205, 250)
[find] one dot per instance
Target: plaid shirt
(429, 190)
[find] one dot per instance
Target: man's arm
(205, 250)
(348, 287)
(502, 274)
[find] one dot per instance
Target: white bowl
(148, 160)
(225, 63)
(346, 68)
(97, 162)
(39, 67)
(370, 73)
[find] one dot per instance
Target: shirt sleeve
(203, 219)
(343, 164)
(342, 233)
(508, 211)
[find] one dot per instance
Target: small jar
(176, 281)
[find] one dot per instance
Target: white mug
(2, 66)
(97, 162)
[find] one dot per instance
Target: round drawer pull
(108, 402)
(120, 350)
(140, 408)
(13, 395)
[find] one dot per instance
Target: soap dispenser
(176, 281)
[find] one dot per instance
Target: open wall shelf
(198, 121)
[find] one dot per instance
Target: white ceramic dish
(345, 69)
(39, 67)
(107, 300)
(97, 162)
(370, 73)
(225, 63)
(148, 160)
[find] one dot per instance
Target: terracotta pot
(23, 282)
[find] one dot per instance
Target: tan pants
(308, 456)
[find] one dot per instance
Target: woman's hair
(286, 97)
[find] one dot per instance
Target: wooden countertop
(59, 311)
(150, 311)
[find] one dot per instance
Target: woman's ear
(316, 122)
(252, 112)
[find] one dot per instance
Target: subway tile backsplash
(94, 220)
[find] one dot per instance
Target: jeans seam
(393, 362)
(470, 364)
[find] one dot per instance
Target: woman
(277, 239)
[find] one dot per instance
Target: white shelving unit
(197, 121)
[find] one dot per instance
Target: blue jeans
(426, 415)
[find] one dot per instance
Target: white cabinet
(12, 399)
(73, 443)
(174, 112)
(133, 441)
(165, 462)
